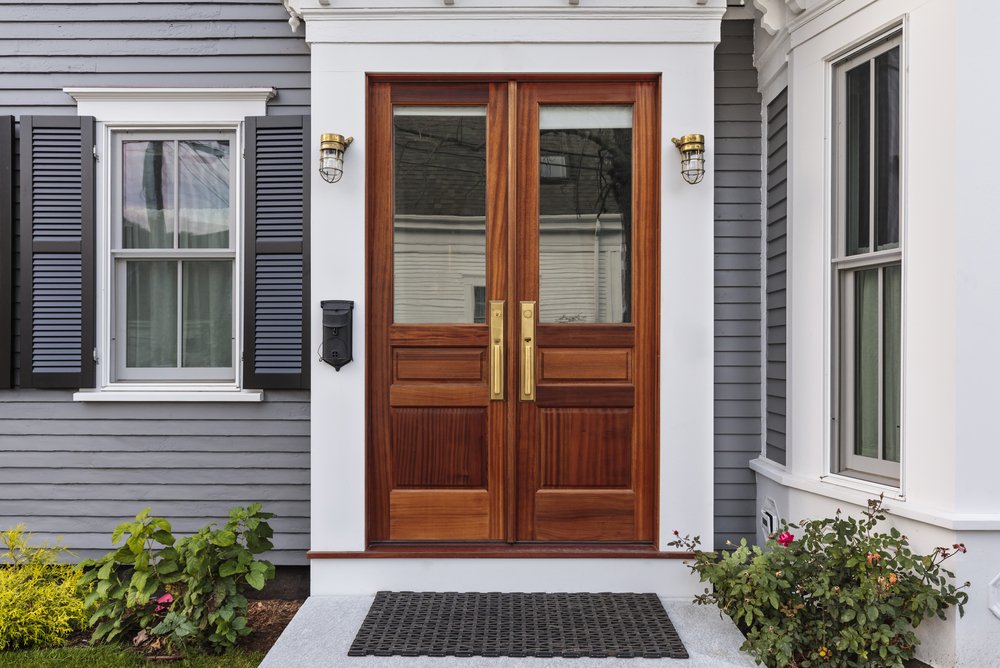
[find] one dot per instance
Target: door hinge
(97, 358)
(96, 155)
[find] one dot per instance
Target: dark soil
(268, 618)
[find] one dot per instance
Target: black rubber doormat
(494, 624)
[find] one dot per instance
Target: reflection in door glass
(585, 214)
(439, 221)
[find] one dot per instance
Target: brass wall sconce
(331, 156)
(692, 149)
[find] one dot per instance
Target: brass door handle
(496, 350)
(527, 351)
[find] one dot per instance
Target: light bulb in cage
(331, 156)
(692, 149)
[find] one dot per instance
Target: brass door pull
(527, 351)
(496, 350)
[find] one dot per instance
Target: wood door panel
(567, 396)
(439, 447)
(439, 514)
(426, 336)
(585, 515)
(563, 364)
(426, 394)
(440, 364)
(586, 448)
(585, 336)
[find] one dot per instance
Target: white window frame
(845, 267)
(178, 111)
(118, 255)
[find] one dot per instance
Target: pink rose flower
(785, 539)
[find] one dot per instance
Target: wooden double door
(512, 316)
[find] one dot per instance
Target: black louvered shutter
(276, 308)
(6, 251)
(57, 251)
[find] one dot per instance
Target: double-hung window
(173, 241)
(868, 263)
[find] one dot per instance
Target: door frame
(509, 209)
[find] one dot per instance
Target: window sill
(851, 490)
(162, 396)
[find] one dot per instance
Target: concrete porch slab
(324, 628)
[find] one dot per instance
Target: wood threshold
(503, 551)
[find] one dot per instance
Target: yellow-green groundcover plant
(40, 602)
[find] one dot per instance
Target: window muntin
(868, 264)
(173, 256)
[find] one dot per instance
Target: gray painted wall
(777, 228)
(75, 470)
(737, 282)
(48, 45)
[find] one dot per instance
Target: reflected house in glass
(439, 234)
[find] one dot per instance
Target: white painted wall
(674, 38)
(950, 360)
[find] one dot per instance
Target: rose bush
(837, 593)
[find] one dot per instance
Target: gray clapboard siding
(777, 228)
(737, 282)
(75, 470)
(48, 45)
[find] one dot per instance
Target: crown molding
(243, 94)
(167, 105)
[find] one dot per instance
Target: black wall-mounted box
(338, 323)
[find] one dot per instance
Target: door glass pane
(439, 222)
(892, 344)
(866, 358)
(207, 326)
(857, 159)
(148, 194)
(585, 214)
(204, 194)
(887, 149)
(150, 314)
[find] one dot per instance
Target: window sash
(841, 69)
(118, 256)
(876, 469)
(178, 372)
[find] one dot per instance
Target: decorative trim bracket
(294, 18)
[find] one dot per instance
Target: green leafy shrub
(40, 604)
(839, 594)
(169, 592)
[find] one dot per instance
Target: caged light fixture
(692, 148)
(331, 156)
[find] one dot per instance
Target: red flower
(785, 539)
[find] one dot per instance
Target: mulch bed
(268, 618)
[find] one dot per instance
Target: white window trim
(171, 110)
(838, 461)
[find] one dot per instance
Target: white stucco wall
(675, 39)
(947, 488)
